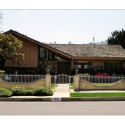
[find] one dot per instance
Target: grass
(71, 85)
(52, 85)
(114, 94)
(102, 83)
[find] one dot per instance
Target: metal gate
(62, 83)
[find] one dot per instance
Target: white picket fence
(102, 79)
(21, 78)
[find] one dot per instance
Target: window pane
(61, 58)
(52, 56)
(79, 66)
(120, 65)
(106, 65)
(85, 64)
(89, 65)
(110, 65)
(43, 54)
(116, 65)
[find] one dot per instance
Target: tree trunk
(2, 64)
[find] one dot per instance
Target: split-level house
(63, 58)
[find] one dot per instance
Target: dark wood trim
(63, 61)
(97, 59)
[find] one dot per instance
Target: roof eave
(99, 58)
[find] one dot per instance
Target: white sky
(62, 26)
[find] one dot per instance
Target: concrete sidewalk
(65, 96)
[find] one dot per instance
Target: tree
(117, 38)
(8, 50)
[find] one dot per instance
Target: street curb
(58, 99)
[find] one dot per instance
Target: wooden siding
(30, 50)
(99, 63)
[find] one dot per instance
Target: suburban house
(64, 58)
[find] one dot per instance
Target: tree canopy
(117, 38)
(8, 49)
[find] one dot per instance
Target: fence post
(1, 76)
(48, 81)
(76, 82)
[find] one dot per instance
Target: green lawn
(52, 85)
(114, 94)
(102, 83)
(71, 85)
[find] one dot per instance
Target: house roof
(79, 50)
(37, 42)
(82, 50)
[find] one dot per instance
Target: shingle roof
(82, 50)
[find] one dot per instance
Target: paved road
(63, 108)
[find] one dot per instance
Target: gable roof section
(39, 43)
(81, 50)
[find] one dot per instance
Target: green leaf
(15, 54)
(1, 50)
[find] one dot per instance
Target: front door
(63, 68)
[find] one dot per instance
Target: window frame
(117, 62)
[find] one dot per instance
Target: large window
(43, 54)
(116, 65)
(120, 65)
(113, 65)
(46, 55)
(82, 64)
(106, 65)
(61, 58)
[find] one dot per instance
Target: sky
(63, 26)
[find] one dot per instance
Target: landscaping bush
(5, 92)
(42, 91)
(19, 91)
(29, 92)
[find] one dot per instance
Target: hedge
(40, 91)
(5, 92)
(19, 91)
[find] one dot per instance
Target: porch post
(76, 82)
(72, 64)
(48, 81)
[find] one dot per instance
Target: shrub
(29, 92)
(5, 92)
(18, 91)
(42, 91)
